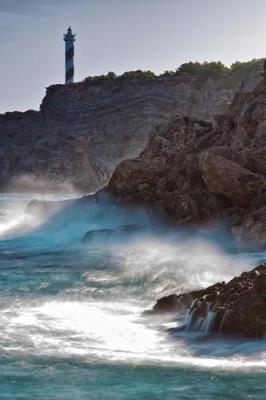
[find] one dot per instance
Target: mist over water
(71, 323)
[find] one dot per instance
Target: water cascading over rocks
(234, 308)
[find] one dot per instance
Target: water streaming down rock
(226, 313)
(236, 308)
(201, 324)
(208, 322)
(189, 321)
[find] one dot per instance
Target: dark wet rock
(238, 307)
(108, 234)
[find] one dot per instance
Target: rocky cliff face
(84, 130)
(201, 172)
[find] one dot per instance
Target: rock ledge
(234, 308)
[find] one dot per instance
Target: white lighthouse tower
(69, 39)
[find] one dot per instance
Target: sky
(119, 35)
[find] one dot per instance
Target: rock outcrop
(230, 179)
(202, 172)
(83, 131)
(251, 229)
(234, 308)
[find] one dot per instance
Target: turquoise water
(71, 324)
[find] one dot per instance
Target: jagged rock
(238, 307)
(169, 167)
(257, 160)
(225, 177)
(200, 172)
(174, 303)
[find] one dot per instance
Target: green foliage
(126, 75)
(99, 78)
(190, 68)
(138, 75)
(110, 75)
(197, 68)
(246, 65)
(213, 67)
(170, 73)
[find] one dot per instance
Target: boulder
(230, 179)
(251, 230)
(235, 308)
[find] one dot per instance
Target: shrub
(170, 73)
(98, 78)
(246, 65)
(126, 75)
(213, 67)
(138, 75)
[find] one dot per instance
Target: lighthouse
(69, 39)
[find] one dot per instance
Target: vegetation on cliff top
(213, 68)
(129, 74)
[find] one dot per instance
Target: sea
(72, 321)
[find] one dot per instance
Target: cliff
(202, 172)
(83, 131)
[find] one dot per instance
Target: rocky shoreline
(236, 308)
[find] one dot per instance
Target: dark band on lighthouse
(69, 39)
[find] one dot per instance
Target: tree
(138, 75)
(213, 67)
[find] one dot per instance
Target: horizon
(107, 39)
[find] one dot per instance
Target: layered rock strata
(83, 131)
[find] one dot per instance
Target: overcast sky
(119, 35)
